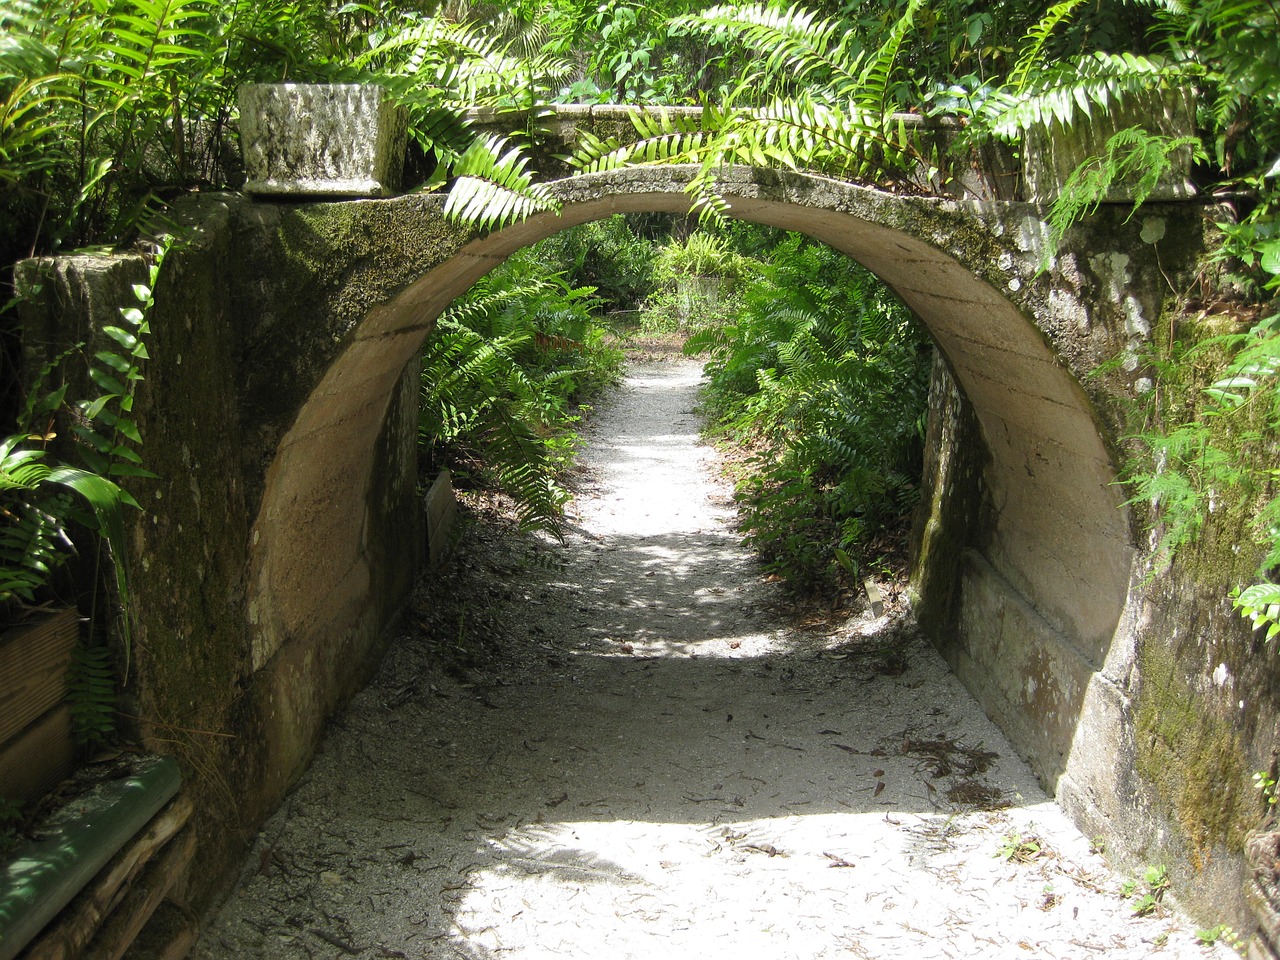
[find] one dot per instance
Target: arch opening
(1040, 586)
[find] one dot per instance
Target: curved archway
(1055, 554)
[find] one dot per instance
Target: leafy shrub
(500, 379)
(824, 374)
(608, 255)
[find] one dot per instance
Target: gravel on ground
(624, 745)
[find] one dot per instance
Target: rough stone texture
(946, 521)
(283, 530)
(1183, 712)
(302, 139)
(1050, 154)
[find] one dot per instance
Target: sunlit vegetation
(112, 109)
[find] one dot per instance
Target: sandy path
(628, 756)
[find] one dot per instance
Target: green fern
(500, 376)
(839, 121)
(91, 694)
(823, 372)
(795, 46)
(494, 186)
(1030, 60)
(1062, 93)
(1132, 156)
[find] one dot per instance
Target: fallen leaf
(558, 800)
(879, 788)
(877, 773)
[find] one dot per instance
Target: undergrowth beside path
(621, 744)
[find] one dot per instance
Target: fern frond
(794, 44)
(838, 124)
(495, 188)
(1029, 61)
(91, 695)
(661, 137)
(1059, 95)
(873, 82)
(1131, 156)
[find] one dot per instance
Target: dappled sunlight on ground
(868, 884)
(621, 747)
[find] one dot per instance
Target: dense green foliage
(110, 108)
(822, 374)
(502, 376)
(615, 256)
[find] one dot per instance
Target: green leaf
(121, 336)
(1269, 258)
(94, 408)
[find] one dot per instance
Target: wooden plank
(33, 662)
(36, 760)
(170, 934)
(119, 932)
(74, 928)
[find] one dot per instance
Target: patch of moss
(946, 519)
(313, 272)
(1192, 756)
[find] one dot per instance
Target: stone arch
(1046, 586)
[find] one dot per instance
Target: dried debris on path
(619, 745)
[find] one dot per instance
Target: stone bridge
(278, 546)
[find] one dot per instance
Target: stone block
(1050, 153)
(441, 510)
(334, 140)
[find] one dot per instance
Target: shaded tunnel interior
(1038, 590)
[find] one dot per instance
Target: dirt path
(614, 749)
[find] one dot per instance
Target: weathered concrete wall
(1183, 708)
(250, 309)
(281, 419)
